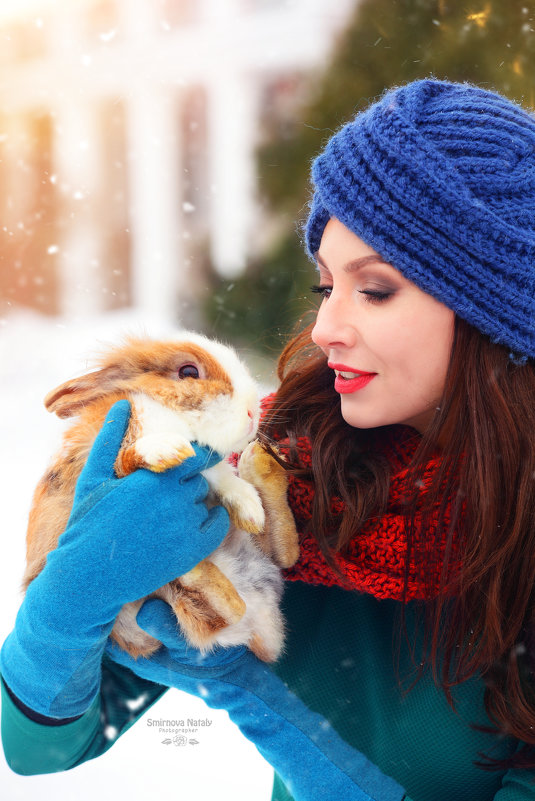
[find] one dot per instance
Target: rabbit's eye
(188, 371)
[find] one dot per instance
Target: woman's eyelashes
(375, 295)
(324, 291)
(372, 295)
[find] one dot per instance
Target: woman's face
(387, 341)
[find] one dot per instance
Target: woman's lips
(348, 379)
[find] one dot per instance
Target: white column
(231, 141)
(17, 170)
(155, 206)
(231, 136)
(78, 163)
(154, 171)
(138, 23)
(219, 12)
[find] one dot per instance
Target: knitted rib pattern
(439, 178)
(375, 561)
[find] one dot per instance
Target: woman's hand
(125, 538)
(303, 748)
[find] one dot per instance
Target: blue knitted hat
(439, 178)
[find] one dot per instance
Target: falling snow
(108, 36)
(134, 704)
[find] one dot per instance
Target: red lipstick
(349, 379)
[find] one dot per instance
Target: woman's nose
(333, 325)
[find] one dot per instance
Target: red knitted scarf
(375, 560)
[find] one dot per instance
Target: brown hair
(485, 428)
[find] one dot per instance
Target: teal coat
(341, 660)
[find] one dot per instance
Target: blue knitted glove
(313, 761)
(125, 538)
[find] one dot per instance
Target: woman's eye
(188, 371)
(324, 291)
(374, 295)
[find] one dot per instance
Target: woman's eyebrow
(356, 264)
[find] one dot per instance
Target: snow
(36, 354)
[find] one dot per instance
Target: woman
(406, 415)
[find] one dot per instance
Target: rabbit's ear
(69, 398)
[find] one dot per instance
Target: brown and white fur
(191, 389)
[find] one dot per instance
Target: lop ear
(69, 398)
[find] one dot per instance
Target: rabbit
(188, 389)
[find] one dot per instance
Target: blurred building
(127, 137)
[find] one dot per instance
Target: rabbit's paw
(256, 465)
(240, 498)
(160, 451)
(245, 508)
(156, 452)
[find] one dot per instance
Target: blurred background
(154, 153)
(133, 139)
(154, 160)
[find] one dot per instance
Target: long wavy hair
(483, 496)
